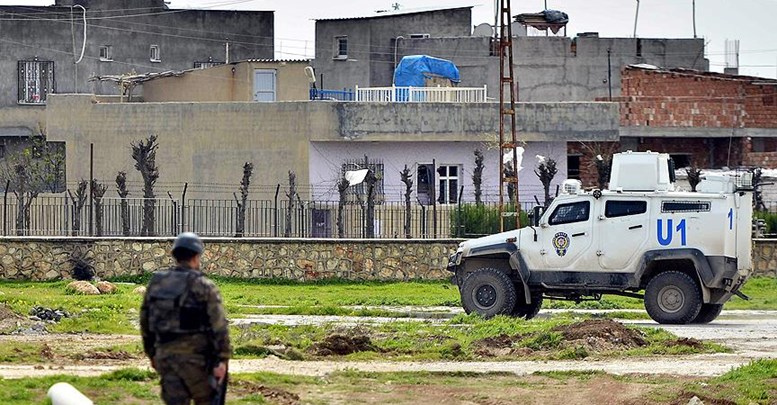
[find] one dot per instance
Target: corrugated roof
(394, 13)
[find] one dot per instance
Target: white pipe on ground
(66, 394)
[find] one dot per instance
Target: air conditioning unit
(419, 36)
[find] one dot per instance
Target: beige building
(250, 80)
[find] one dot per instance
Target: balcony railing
(332, 95)
(395, 94)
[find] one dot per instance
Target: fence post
(275, 212)
(183, 207)
(5, 208)
(459, 232)
(356, 91)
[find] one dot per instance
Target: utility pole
(507, 142)
(693, 4)
(636, 18)
(609, 73)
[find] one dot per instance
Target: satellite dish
(310, 74)
(483, 30)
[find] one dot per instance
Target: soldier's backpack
(171, 308)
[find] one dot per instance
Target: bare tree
(408, 180)
(477, 177)
(342, 189)
(144, 154)
(121, 188)
(758, 198)
(509, 172)
(371, 180)
(601, 158)
(38, 167)
(546, 171)
(291, 194)
(248, 170)
(79, 201)
(98, 192)
(694, 177)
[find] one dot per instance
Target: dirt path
(752, 335)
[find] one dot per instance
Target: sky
(749, 21)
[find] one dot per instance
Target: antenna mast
(508, 155)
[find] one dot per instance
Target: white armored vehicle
(688, 251)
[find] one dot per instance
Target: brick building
(703, 119)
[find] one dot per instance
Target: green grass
(118, 313)
(455, 339)
(750, 384)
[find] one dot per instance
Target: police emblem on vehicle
(561, 243)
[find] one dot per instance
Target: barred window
(358, 193)
(209, 64)
(36, 81)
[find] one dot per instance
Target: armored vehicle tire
(708, 313)
(528, 311)
(488, 292)
(672, 297)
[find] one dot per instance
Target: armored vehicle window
(569, 213)
(614, 209)
(685, 206)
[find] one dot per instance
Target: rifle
(221, 390)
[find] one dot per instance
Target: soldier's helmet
(189, 241)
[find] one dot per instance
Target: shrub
(479, 220)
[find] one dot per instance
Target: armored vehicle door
(567, 237)
(622, 230)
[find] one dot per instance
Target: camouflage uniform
(185, 332)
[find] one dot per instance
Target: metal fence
(57, 216)
(333, 95)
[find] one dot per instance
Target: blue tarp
(412, 70)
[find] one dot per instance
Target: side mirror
(537, 214)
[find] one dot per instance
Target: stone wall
(386, 259)
(765, 257)
(295, 259)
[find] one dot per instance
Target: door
(264, 85)
(567, 239)
(623, 232)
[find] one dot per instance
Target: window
(264, 85)
(341, 47)
(573, 167)
(681, 160)
(36, 81)
(685, 206)
(155, 54)
(106, 53)
(424, 184)
(569, 213)
(615, 209)
(209, 64)
(358, 193)
(448, 181)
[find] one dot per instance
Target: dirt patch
(684, 397)
(105, 355)
(602, 335)
(272, 395)
(343, 343)
(687, 342)
(501, 346)
(11, 321)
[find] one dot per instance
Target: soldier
(184, 329)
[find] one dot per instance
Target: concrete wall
(294, 259)
(371, 44)
(206, 144)
(556, 68)
(232, 82)
(45, 33)
(326, 159)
